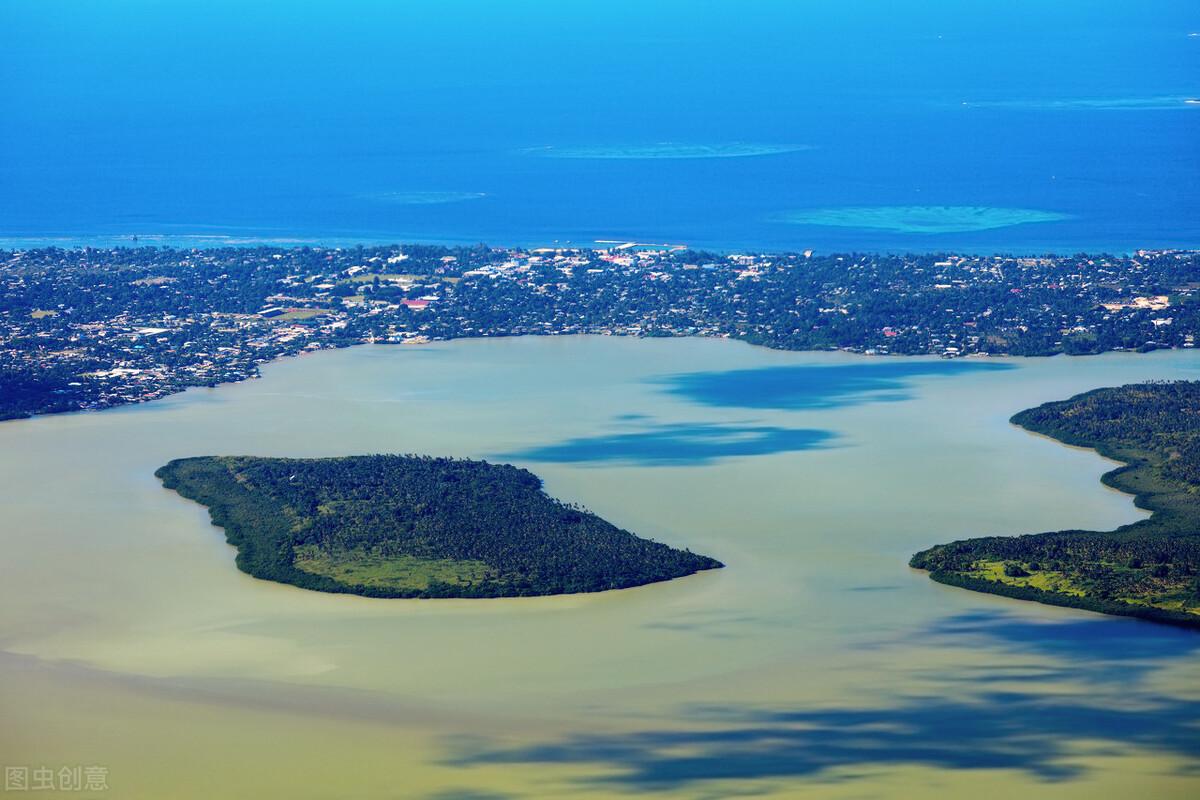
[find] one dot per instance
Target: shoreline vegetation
(416, 527)
(1148, 569)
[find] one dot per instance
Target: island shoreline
(1164, 520)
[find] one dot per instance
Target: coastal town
(93, 328)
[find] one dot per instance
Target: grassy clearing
(361, 568)
(1046, 580)
(293, 314)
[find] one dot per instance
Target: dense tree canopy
(1150, 568)
(416, 526)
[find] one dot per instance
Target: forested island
(416, 526)
(1148, 569)
(92, 328)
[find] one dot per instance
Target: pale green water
(923, 219)
(816, 664)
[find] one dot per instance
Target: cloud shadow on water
(1034, 733)
(971, 719)
(1095, 649)
(470, 794)
(813, 387)
(1095, 638)
(678, 444)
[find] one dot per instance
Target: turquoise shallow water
(816, 663)
(708, 123)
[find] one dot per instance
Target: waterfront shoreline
(93, 329)
(1150, 462)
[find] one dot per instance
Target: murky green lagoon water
(816, 664)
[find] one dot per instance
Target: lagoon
(816, 664)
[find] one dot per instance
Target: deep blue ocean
(739, 124)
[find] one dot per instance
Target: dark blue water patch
(815, 387)
(678, 444)
(1038, 734)
(1097, 649)
(1100, 652)
(1030, 717)
(470, 794)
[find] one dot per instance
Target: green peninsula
(416, 526)
(1148, 569)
